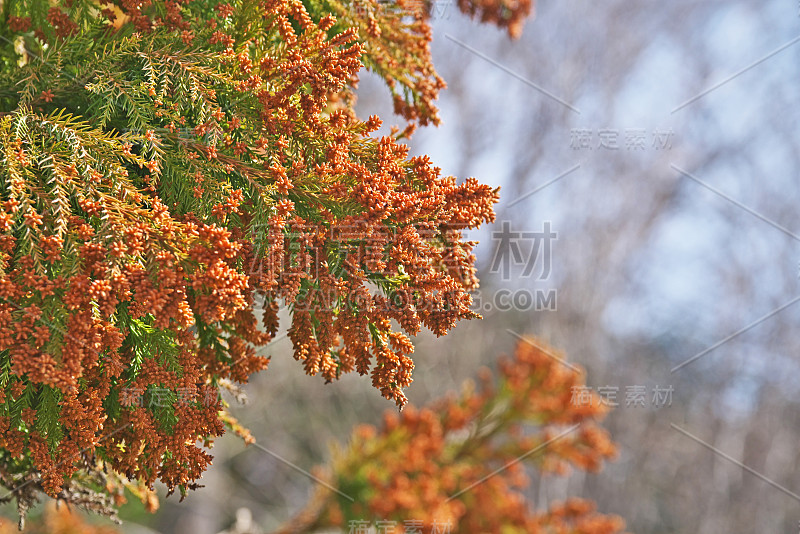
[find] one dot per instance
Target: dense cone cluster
(461, 461)
(171, 173)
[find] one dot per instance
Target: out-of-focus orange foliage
(58, 518)
(508, 14)
(461, 461)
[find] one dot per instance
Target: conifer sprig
(169, 170)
